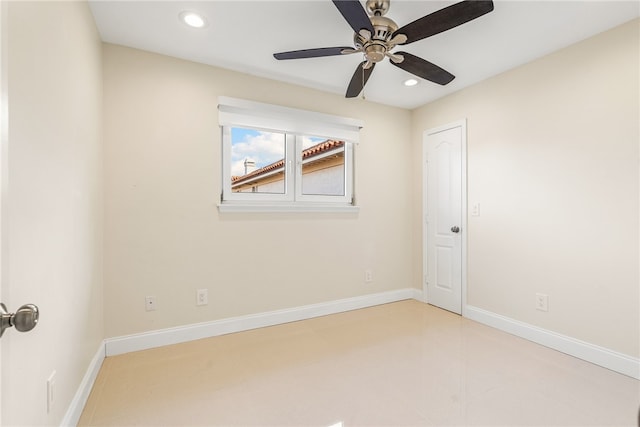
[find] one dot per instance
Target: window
(276, 158)
(323, 171)
(258, 162)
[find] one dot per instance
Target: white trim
(76, 406)
(240, 112)
(424, 220)
(464, 217)
(162, 337)
(4, 144)
(600, 356)
(419, 295)
(299, 207)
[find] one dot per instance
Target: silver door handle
(24, 320)
(455, 229)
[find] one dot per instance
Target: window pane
(323, 167)
(257, 161)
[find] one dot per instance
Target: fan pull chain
(362, 67)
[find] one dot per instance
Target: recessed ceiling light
(410, 82)
(193, 19)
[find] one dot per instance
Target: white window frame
(230, 197)
(295, 124)
(347, 196)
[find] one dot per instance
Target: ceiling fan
(376, 35)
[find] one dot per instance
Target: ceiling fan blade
(424, 69)
(354, 14)
(445, 19)
(359, 79)
(312, 53)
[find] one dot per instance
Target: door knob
(24, 320)
(455, 229)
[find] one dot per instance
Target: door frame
(4, 142)
(462, 123)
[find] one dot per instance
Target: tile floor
(405, 363)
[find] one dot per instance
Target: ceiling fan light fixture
(193, 19)
(375, 36)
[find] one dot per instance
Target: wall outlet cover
(368, 276)
(542, 302)
(150, 303)
(202, 297)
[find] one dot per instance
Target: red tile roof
(310, 152)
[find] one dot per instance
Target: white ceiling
(242, 35)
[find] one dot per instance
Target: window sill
(235, 207)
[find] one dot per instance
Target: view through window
(323, 167)
(262, 162)
(258, 161)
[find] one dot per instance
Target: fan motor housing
(377, 46)
(383, 28)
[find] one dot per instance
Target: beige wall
(553, 150)
(165, 237)
(53, 204)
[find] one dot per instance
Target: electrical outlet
(202, 297)
(150, 303)
(475, 209)
(542, 302)
(368, 276)
(51, 382)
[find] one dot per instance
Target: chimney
(249, 166)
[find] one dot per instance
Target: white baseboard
(418, 295)
(601, 356)
(162, 337)
(76, 406)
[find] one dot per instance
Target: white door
(444, 226)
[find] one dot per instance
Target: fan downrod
(378, 7)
